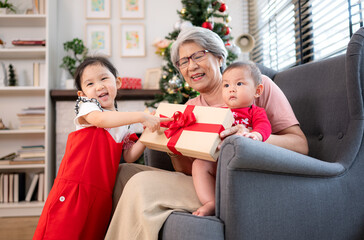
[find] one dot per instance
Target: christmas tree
(12, 79)
(210, 14)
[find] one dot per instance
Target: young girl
(241, 86)
(79, 204)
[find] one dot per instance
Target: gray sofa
(267, 192)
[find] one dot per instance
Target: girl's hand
(152, 122)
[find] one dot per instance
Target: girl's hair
(250, 66)
(93, 61)
(206, 38)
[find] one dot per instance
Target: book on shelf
(40, 196)
(1, 187)
(32, 118)
(36, 74)
(6, 188)
(32, 188)
(32, 152)
(42, 74)
(12, 187)
(39, 6)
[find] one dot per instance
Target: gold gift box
(192, 143)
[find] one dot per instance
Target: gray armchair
(267, 192)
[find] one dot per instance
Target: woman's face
(204, 75)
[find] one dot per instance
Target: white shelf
(19, 131)
(22, 166)
(21, 90)
(14, 99)
(25, 52)
(24, 20)
(23, 208)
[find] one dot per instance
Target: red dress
(79, 204)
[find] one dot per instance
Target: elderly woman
(145, 200)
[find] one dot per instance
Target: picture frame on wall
(98, 38)
(132, 39)
(132, 9)
(98, 9)
(152, 78)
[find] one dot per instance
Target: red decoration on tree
(223, 7)
(207, 25)
(227, 30)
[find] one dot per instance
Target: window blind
(293, 32)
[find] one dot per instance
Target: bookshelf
(14, 99)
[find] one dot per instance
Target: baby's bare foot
(206, 210)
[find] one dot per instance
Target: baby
(242, 84)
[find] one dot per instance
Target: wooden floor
(17, 228)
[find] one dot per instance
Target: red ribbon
(186, 121)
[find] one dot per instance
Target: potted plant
(76, 53)
(4, 6)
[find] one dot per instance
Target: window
(293, 32)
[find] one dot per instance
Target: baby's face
(238, 88)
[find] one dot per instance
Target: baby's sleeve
(131, 137)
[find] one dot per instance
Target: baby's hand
(252, 135)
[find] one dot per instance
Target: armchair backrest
(327, 98)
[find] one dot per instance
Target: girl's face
(99, 83)
(204, 75)
(239, 89)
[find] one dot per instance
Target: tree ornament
(186, 24)
(177, 25)
(228, 19)
(227, 30)
(207, 25)
(183, 11)
(223, 7)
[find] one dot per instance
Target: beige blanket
(147, 200)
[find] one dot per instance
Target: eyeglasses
(196, 57)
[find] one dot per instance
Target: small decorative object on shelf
(5, 6)
(2, 43)
(131, 83)
(2, 125)
(29, 42)
(12, 78)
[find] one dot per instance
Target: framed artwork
(131, 9)
(96, 9)
(98, 38)
(152, 78)
(132, 40)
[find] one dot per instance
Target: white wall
(160, 17)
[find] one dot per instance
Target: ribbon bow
(180, 120)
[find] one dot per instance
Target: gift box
(131, 83)
(194, 131)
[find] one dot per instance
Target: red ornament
(223, 7)
(227, 30)
(207, 25)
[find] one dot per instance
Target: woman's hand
(237, 129)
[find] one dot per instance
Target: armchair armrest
(245, 153)
(261, 188)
